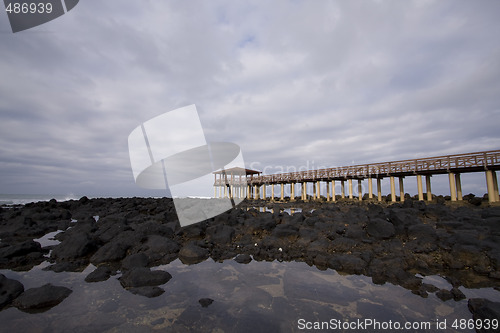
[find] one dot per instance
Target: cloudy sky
(295, 83)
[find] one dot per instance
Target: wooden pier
(252, 184)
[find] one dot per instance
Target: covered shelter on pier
(233, 182)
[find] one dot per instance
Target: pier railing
(471, 162)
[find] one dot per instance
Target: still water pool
(255, 297)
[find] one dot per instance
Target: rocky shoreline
(397, 243)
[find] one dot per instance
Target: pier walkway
(253, 185)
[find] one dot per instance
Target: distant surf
(22, 199)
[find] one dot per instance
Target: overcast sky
(294, 83)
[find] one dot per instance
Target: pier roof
(238, 171)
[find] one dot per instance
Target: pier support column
(428, 187)
(272, 192)
(304, 191)
(370, 188)
(453, 187)
(495, 185)
(264, 191)
(282, 191)
(342, 189)
(379, 189)
(420, 188)
(349, 181)
(292, 191)
(401, 190)
(327, 191)
(393, 190)
(249, 192)
(333, 190)
(215, 191)
(490, 184)
(225, 191)
(458, 183)
(318, 191)
(360, 190)
(314, 191)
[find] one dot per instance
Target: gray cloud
(294, 83)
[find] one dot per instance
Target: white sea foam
(22, 199)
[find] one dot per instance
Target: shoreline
(390, 242)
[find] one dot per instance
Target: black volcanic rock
(220, 234)
(20, 249)
(193, 254)
(75, 246)
(285, 230)
(205, 302)
(41, 298)
(142, 277)
(483, 309)
(9, 290)
(158, 249)
(116, 249)
(243, 258)
(380, 229)
(134, 261)
(390, 242)
(101, 273)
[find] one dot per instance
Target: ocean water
(22, 199)
(257, 297)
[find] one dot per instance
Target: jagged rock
(484, 309)
(220, 234)
(156, 248)
(135, 260)
(457, 294)
(116, 249)
(380, 229)
(285, 230)
(20, 249)
(9, 290)
(142, 277)
(193, 254)
(101, 273)
(41, 298)
(75, 246)
(444, 295)
(243, 258)
(347, 263)
(205, 302)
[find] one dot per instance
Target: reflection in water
(264, 209)
(48, 239)
(259, 296)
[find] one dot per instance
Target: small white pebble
(255, 244)
(280, 249)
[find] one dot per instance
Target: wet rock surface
(205, 302)
(41, 298)
(9, 290)
(388, 242)
(483, 309)
(101, 273)
(142, 277)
